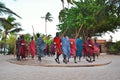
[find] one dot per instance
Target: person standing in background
(32, 48)
(17, 49)
(52, 49)
(96, 49)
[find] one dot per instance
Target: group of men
(34, 47)
(70, 47)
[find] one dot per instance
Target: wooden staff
(33, 32)
(84, 35)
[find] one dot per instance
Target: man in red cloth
(23, 47)
(58, 47)
(32, 47)
(90, 49)
(73, 48)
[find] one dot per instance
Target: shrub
(117, 45)
(114, 48)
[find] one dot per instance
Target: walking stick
(33, 32)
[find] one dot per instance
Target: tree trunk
(62, 3)
(77, 34)
(5, 36)
(46, 27)
(64, 31)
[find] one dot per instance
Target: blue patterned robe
(40, 46)
(79, 47)
(66, 46)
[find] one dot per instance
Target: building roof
(101, 41)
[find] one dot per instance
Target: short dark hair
(64, 34)
(38, 35)
(22, 36)
(32, 37)
(89, 35)
(57, 34)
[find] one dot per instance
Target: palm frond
(6, 23)
(0, 30)
(17, 24)
(15, 30)
(48, 17)
(5, 10)
(11, 18)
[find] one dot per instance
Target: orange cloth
(73, 47)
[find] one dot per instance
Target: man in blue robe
(40, 46)
(79, 48)
(65, 48)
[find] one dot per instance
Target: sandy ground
(10, 69)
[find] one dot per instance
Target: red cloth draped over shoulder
(96, 49)
(23, 48)
(32, 47)
(57, 43)
(73, 47)
(90, 47)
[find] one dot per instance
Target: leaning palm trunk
(5, 36)
(78, 31)
(46, 27)
(84, 35)
(64, 31)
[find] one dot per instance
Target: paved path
(50, 62)
(10, 71)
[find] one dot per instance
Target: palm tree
(62, 13)
(11, 41)
(5, 10)
(9, 26)
(47, 18)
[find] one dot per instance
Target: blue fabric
(79, 47)
(40, 46)
(66, 46)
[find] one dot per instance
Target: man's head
(38, 35)
(57, 34)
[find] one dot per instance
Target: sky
(31, 12)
